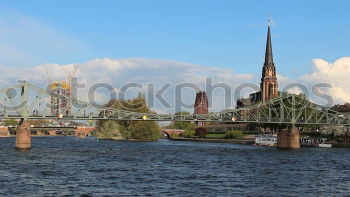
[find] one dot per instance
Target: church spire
(268, 85)
(268, 53)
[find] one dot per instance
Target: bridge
(171, 132)
(33, 103)
(79, 131)
(27, 102)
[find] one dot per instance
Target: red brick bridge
(171, 132)
(80, 131)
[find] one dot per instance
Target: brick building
(201, 105)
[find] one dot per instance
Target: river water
(68, 166)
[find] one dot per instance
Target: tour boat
(266, 140)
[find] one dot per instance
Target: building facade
(201, 105)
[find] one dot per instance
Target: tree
(201, 132)
(112, 130)
(233, 134)
(139, 130)
(180, 124)
(333, 130)
(191, 126)
(189, 130)
(146, 130)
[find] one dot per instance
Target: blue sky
(163, 41)
(222, 33)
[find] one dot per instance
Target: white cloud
(334, 73)
(118, 72)
(282, 80)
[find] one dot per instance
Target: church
(268, 84)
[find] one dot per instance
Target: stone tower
(268, 85)
(201, 105)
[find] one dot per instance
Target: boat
(307, 142)
(324, 145)
(266, 139)
(314, 142)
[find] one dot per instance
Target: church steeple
(268, 85)
(268, 52)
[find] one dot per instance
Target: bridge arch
(171, 132)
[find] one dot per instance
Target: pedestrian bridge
(26, 101)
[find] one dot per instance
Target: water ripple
(68, 166)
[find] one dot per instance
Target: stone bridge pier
(23, 135)
(82, 132)
(4, 131)
(288, 138)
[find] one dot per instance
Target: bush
(190, 127)
(145, 131)
(111, 130)
(233, 134)
(174, 135)
(188, 134)
(201, 132)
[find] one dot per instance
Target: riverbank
(231, 141)
(341, 145)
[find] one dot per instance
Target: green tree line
(129, 130)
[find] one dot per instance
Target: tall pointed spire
(268, 85)
(268, 53)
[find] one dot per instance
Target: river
(69, 166)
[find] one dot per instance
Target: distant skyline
(223, 39)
